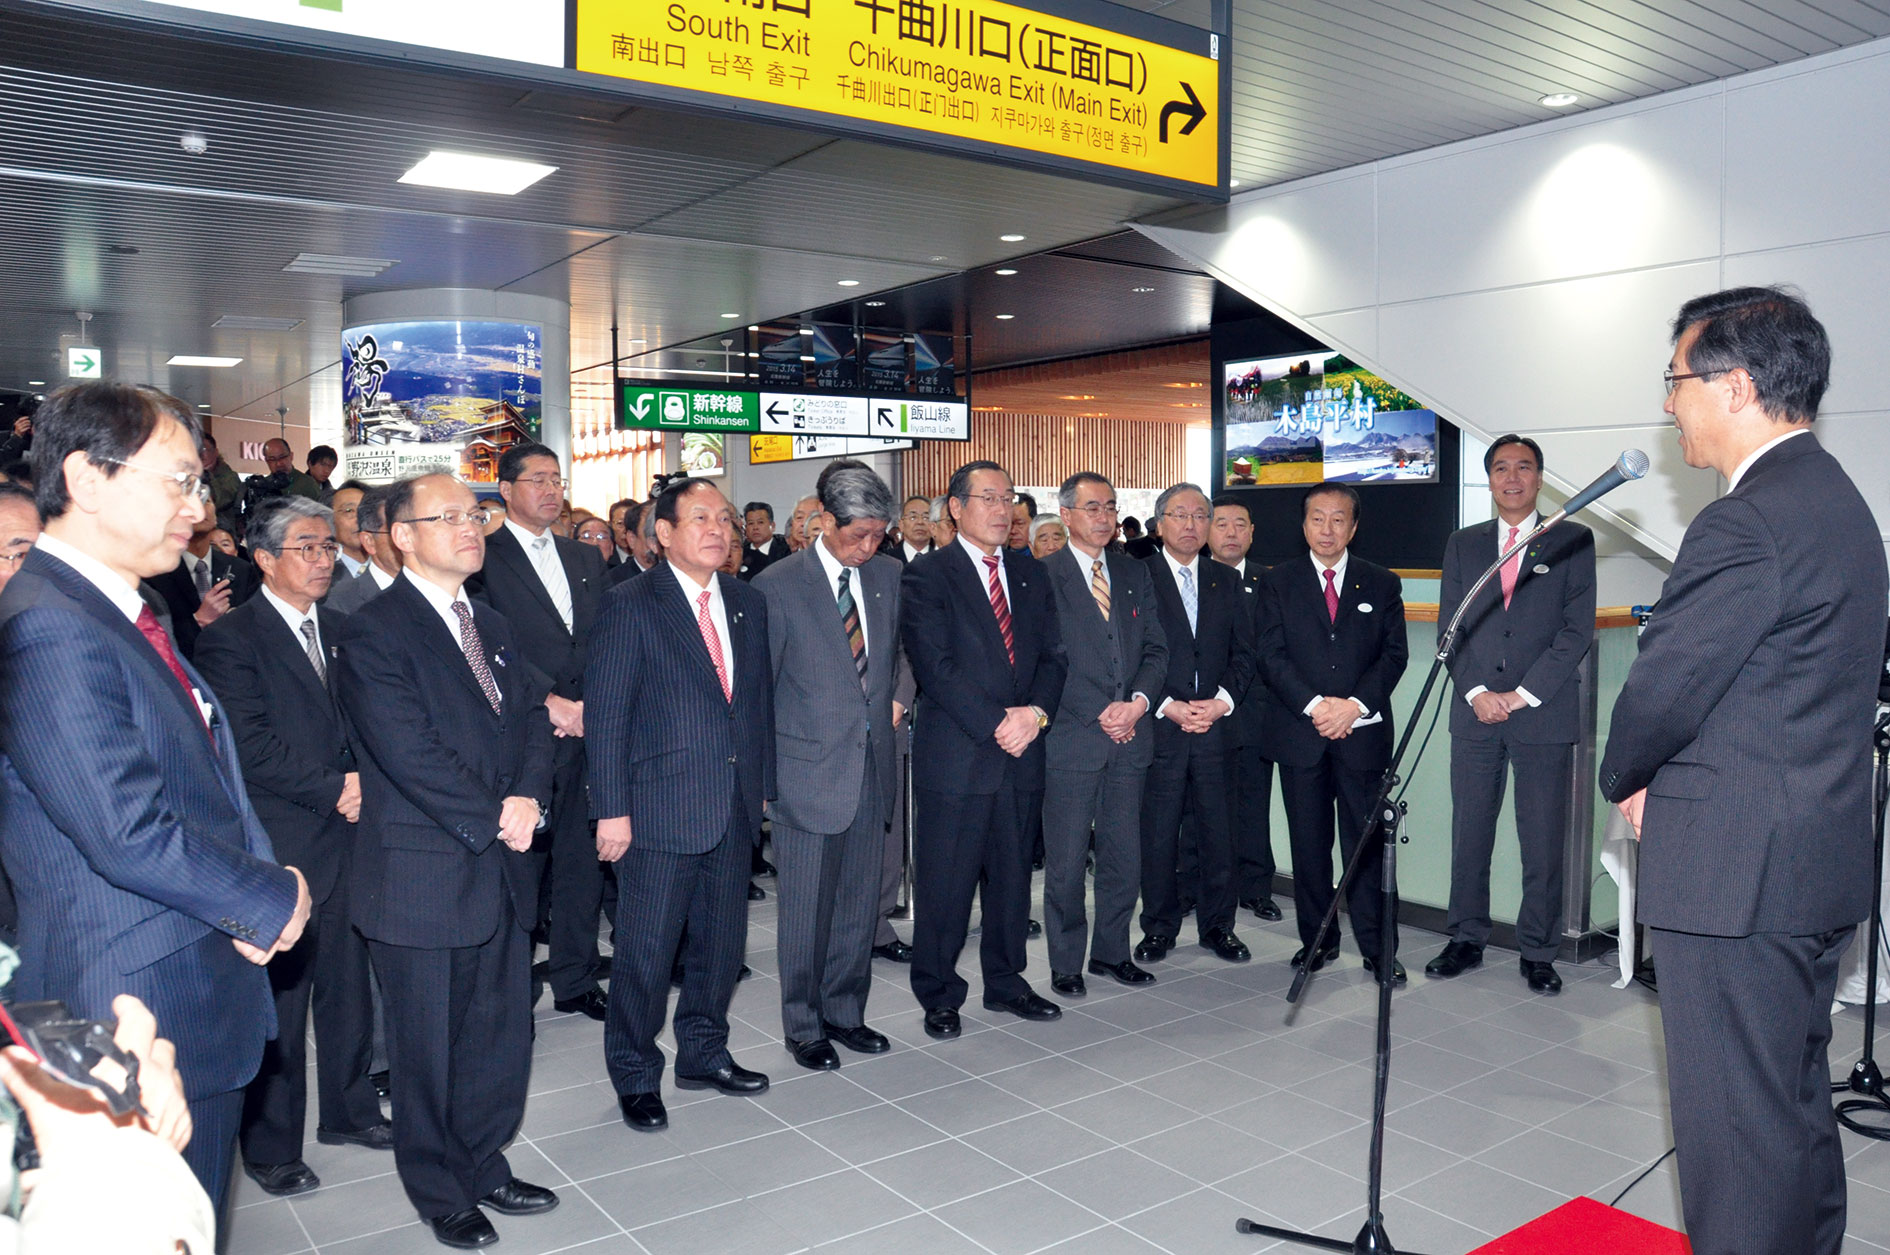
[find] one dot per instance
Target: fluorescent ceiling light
(1141, 289)
(874, 304)
(808, 357)
(1005, 317)
(338, 264)
(468, 172)
(1012, 238)
(731, 315)
(186, 359)
(1007, 271)
(1559, 100)
(36, 383)
(849, 283)
(250, 322)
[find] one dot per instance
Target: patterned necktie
(1511, 569)
(474, 648)
(1332, 595)
(1002, 609)
(545, 558)
(709, 638)
(161, 641)
(314, 651)
(1099, 587)
(202, 577)
(850, 620)
(1190, 599)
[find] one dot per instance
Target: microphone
(1632, 464)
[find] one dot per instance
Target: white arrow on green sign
(82, 363)
(687, 409)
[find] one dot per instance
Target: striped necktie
(850, 620)
(1002, 609)
(1099, 587)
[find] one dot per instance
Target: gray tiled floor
(1144, 1121)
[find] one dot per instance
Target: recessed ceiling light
(203, 405)
(753, 327)
(186, 359)
(36, 383)
(1005, 317)
(849, 283)
(731, 315)
(1012, 238)
(1141, 289)
(337, 264)
(1007, 271)
(1186, 384)
(874, 304)
(249, 322)
(938, 257)
(1559, 100)
(469, 172)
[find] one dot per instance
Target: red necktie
(1002, 609)
(161, 641)
(714, 642)
(1511, 569)
(1332, 595)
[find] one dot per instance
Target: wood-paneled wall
(1046, 449)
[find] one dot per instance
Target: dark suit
(755, 561)
(295, 749)
(972, 799)
(1189, 770)
(690, 767)
(554, 657)
(1090, 781)
(1304, 653)
(1536, 643)
(348, 596)
(182, 599)
(834, 782)
(1250, 773)
(1747, 719)
(132, 847)
(626, 572)
(445, 906)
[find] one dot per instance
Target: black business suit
(1189, 772)
(972, 800)
(1250, 773)
(181, 598)
(445, 906)
(296, 752)
(689, 766)
(1304, 653)
(1747, 719)
(1535, 644)
(554, 657)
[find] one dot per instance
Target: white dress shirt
(542, 552)
(349, 564)
(1175, 568)
(1502, 542)
(1338, 581)
(382, 580)
(442, 603)
(978, 557)
(911, 553)
(1739, 472)
(718, 614)
(833, 566)
(295, 619)
(96, 573)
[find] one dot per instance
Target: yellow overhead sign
(982, 71)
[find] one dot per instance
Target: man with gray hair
(944, 527)
(833, 638)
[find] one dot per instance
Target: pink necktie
(1511, 569)
(714, 642)
(1332, 595)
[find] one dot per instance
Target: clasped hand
(1118, 719)
(1017, 731)
(1496, 707)
(1333, 717)
(1196, 716)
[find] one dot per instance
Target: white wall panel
(1858, 441)
(1848, 285)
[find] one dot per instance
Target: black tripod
(1865, 1079)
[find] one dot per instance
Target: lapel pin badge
(1540, 569)
(1364, 607)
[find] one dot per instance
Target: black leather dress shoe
(283, 1179)
(383, 1080)
(1025, 1006)
(1319, 960)
(1154, 947)
(1541, 977)
(942, 1023)
(1223, 943)
(894, 951)
(755, 892)
(643, 1112)
(374, 1136)
(520, 1198)
(816, 1056)
(1454, 960)
(1398, 974)
(1069, 984)
(1034, 929)
(1124, 972)
(591, 1002)
(730, 1078)
(1265, 908)
(467, 1230)
(858, 1038)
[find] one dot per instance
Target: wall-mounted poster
(883, 362)
(835, 350)
(932, 363)
(1319, 416)
(782, 350)
(449, 396)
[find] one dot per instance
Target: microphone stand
(1385, 816)
(1865, 1079)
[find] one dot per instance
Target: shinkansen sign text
(972, 70)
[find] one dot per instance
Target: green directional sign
(84, 364)
(686, 409)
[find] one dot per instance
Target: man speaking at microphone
(1740, 750)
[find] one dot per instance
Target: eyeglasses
(18, 555)
(542, 481)
(1005, 499)
(1095, 508)
(187, 485)
(314, 552)
(349, 510)
(1672, 380)
(1178, 517)
(454, 518)
(916, 515)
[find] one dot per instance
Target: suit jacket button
(731, 760)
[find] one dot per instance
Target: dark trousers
(1107, 802)
(1478, 772)
(657, 894)
(970, 843)
(892, 867)
(1309, 794)
(576, 880)
(459, 1047)
(1250, 810)
(214, 1121)
(1748, 1028)
(1189, 773)
(829, 890)
(328, 968)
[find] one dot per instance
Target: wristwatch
(1043, 720)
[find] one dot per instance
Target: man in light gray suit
(833, 636)
(1101, 743)
(383, 568)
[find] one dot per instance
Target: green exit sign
(687, 409)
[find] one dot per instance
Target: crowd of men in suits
(349, 781)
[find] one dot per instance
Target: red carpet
(1583, 1226)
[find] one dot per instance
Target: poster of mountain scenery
(1319, 416)
(439, 396)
